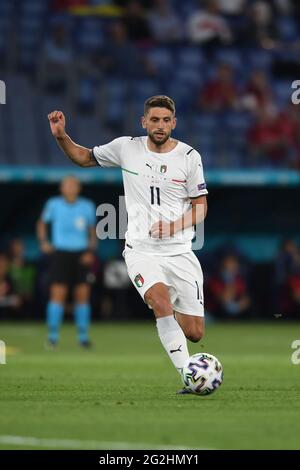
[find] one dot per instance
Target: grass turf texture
(123, 391)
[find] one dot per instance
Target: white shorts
(182, 274)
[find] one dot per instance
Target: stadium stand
(74, 45)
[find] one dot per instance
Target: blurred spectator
(232, 7)
(268, 141)
(287, 261)
(287, 273)
(55, 69)
(293, 286)
(122, 58)
(137, 24)
(62, 5)
(260, 28)
(164, 23)
(72, 245)
(284, 7)
(82, 65)
(228, 291)
(289, 121)
(221, 93)
(207, 27)
(9, 300)
(258, 93)
(21, 273)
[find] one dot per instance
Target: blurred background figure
(257, 94)
(232, 8)
(10, 301)
(56, 66)
(287, 277)
(136, 23)
(229, 291)
(268, 140)
(71, 247)
(207, 27)
(164, 23)
(22, 274)
(260, 27)
(122, 58)
(220, 94)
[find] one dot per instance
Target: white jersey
(158, 186)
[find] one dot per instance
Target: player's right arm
(82, 156)
(42, 235)
(42, 226)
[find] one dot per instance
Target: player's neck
(70, 200)
(169, 145)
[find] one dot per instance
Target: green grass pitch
(121, 395)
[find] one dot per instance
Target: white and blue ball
(202, 373)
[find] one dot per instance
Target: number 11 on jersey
(153, 188)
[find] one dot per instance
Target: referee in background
(73, 241)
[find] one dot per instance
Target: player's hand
(161, 230)
(57, 123)
(87, 258)
(46, 248)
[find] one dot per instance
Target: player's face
(70, 188)
(159, 123)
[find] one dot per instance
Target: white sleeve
(110, 154)
(195, 182)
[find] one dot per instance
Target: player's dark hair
(159, 101)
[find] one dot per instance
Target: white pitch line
(82, 444)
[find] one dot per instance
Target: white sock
(173, 340)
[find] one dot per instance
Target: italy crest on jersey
(139, 280)
(163, 168)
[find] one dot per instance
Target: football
(202, 373)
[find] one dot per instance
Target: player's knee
(160, 304)
(82, 294)
(58, 293)
(195, 333)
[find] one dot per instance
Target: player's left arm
(91, 214)
(42, 226)
(92, 238)
(196, 190)
(196, 214)
(87, 258)
(192, 217)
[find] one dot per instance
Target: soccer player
(72, 220)
(165, 196)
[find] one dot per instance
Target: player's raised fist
(57, 123)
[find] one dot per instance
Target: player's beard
(156, 141)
